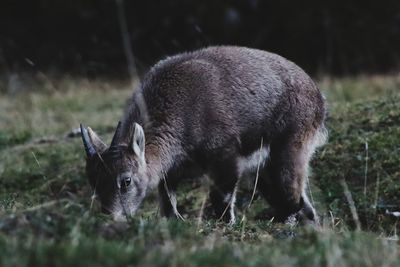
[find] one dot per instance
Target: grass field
(48, 218)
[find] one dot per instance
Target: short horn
(115, 138)
(89, 148)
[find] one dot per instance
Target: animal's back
(227, 98)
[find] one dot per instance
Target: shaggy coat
(213, 111)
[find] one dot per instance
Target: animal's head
(117, 173)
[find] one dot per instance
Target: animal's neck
(160, 151)
(159, 160)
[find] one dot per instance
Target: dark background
(83, 37)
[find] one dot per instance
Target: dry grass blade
(366, 170)
(352, 206)
(172, 200)
(257, 174)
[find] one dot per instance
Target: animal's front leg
(223, 193)
(167, 199)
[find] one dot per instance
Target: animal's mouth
(121, 214)
(123, 211)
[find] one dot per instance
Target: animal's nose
(124, 181)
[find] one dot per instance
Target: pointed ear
(99, 145)
(138, 141)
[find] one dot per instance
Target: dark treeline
(84, 37)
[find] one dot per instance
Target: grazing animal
(212, 111)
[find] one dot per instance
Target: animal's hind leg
(282, 181)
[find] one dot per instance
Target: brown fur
(205, 111)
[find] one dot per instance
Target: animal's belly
(245, 164)
(250, 163)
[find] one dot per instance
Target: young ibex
(209, 112)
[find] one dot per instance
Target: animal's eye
(124, 181)
(127, 181)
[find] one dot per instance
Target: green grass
(47, 217)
